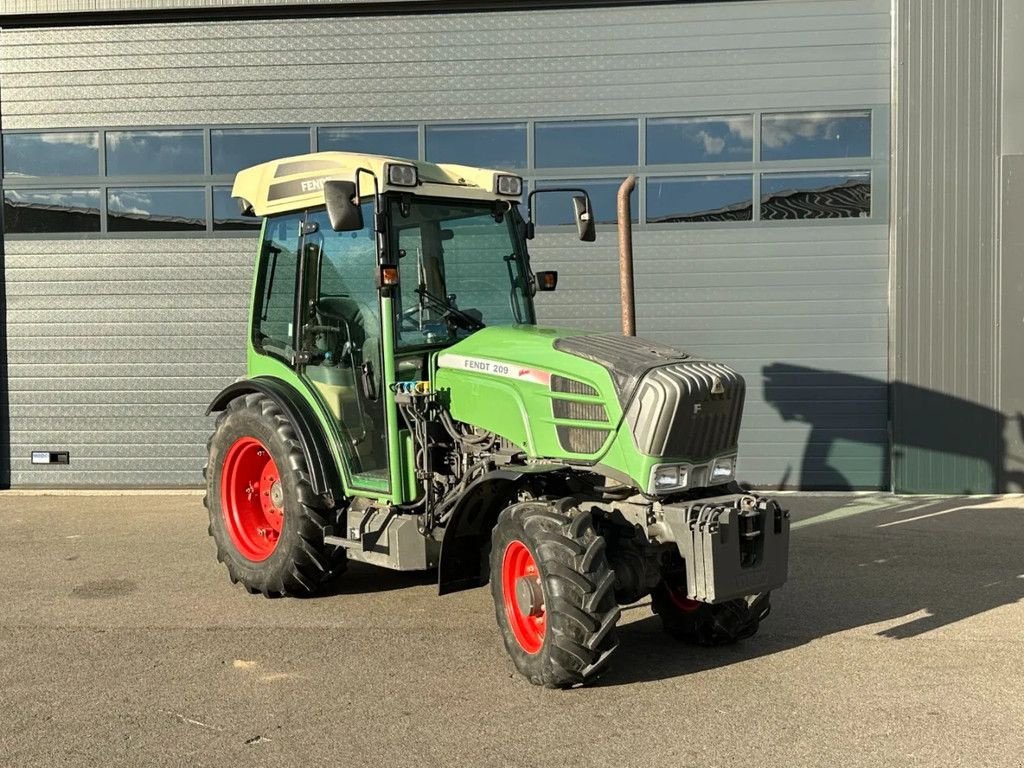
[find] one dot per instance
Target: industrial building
(830, 199)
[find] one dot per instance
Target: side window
(275, 290)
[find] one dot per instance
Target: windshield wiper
(469, 322)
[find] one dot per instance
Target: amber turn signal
(386, 276)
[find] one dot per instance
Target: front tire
(265, 519)
(702, 624)
(553, 592)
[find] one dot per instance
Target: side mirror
(546, 281)
(343, 208)
(584, 220)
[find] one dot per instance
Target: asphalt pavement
(897, 642)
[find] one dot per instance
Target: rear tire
(699, 623)
(267, 522)
(553, 592)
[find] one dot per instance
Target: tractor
(403, 408)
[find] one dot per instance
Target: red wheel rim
(524, 597)
(681, 601)
(251, 498)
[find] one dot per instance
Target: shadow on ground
(848, 573)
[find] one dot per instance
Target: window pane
(156, 209)
(497, 145)
(700, 139)
(226, 214)
(277, 274)
(555, 208)
(809, 135)
(51, 210)
(586, 143)
(234, 150)
(700, 198)
(146, 153)
(51, 154)
(396, 141)
(816, 196)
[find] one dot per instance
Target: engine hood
(575, 396)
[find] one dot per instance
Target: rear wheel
(694, 622)
(267, 522)
(553, 592)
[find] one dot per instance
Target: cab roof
(295, 183)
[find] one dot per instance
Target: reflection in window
(700, 198)
(816, 195)
(51, 210)
(486, 145)
(392, 140)
(236, 149)
(157, 153)
(555, 208)
(809, 135)
(156, 209)
(227, 215)
(581, 143)
(700, 139)
(52, 154)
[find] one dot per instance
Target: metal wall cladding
(115, 349)
(559, 63)
(947, 429)
(15, 7)
(117, 345)
(691, 410)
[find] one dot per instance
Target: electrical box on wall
(51, 457)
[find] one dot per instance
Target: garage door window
(700, 198)
(394, 141)
(156, 209)
(31, 211)
(233, 150)
(672, 140)
(51, 154)
(154, 153)
(814, 135)
(556, 209)
(487, 145)
(815, 196)
(586, 143)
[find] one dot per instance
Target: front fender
(323, 470)
(465, 546)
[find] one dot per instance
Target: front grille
(581, 439)
(571, 386)
(569, 409)
(688, 410)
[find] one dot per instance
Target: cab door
(316, 325)
(341, 341)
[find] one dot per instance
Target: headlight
(508, 185)
(401, 175)
(669, 478)
(723, 469)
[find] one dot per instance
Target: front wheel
(703, 624)
(553, 592)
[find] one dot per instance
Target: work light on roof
(505, 184)
(401, 175)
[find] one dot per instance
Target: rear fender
(324, 476)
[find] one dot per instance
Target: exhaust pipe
(626, 258)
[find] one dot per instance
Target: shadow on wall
(941, 443)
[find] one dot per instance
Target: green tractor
(403, 408)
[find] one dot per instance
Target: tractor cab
(360, 283)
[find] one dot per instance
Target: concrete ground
(897, 642)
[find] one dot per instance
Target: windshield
(461, 266)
